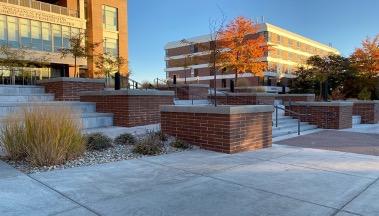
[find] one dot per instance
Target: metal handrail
(135, 82)
(327, 112)
(234, 96)
(192, 94)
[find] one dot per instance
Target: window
(36, 35)
(307, 48)
(314, 50)
(290, 42)
(66, 36)
(298, 45)
(290, 56)
(194, 48)
(3, 30)
(110, 18)
(111, 46)
(26, 40)
(12, 25)
(266, 54)
(46, 37)
(167, 64)
(57, 34)
(279, 53)
(279, 39)
(298, 57)
(166, 51)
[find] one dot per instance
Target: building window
(298, 58)
(111, 46)
(25, 34)
(3, 30)
(290, 42)
(57, 34)
(290, 56)
(279, 39)
(314, 50)
(46, 37)
(194, 48)
(266, 54)
(66, 36)
(12, 27)
(279, 53)
(167, 64)
(307, 48)
(36, 35)
(298, 45)
(110, 18)
(166, 52)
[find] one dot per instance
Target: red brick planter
(339, 113)
(368, 110)
(130, 107)
(228, 129)
(68, 89)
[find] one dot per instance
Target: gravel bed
(113, 154)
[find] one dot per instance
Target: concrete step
(21, 89)
(16, 97)
(289, 124)
(96, 120)
(356, 120)
(291, 130)
(190, 102)
(83, 107)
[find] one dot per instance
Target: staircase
(13, 97)
(286, 124)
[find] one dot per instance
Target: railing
(234, 96)
(191, 93)
(44, 7)
(135, 84)
(327, 112)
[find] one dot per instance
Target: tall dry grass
(43, 135)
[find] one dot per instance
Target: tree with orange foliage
(243, 49)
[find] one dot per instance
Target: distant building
(45, 26)
(289, 51)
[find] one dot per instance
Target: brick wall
(339, 115)
(295, 97)
(200, 92)
(228, 133)
(244, 99)
(129, 110)
(68, 89)
(368, 110)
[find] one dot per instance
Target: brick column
(228, 129)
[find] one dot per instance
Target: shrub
(162, 136)
(150, 144)
(180, 144)
(125, 139)
(98, 141)
(365, 94)
(337, 95)
(43, 135)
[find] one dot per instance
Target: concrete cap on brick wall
(149, 92)
(305, 103)
(224, 109)
(296, 95)
(193, 85)
(365, 102)
(260, 94)
(70, 79)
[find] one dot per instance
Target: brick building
(289, 51)
(43, 27)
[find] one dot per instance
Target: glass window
(26, 39)
(111, 46)
(314, 50)
(307, 48)
(110, 18)
(289, 42)
(36, 35)
(279, 39)
(12, 27)
(57, 32)
(66, 36)
(46, 37)
(279, 53)
(290, 56)
(298, 45)
(3, 30)
(298, 57)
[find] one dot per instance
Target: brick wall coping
(365, 102)
(193, 85)
(70, 79)
(291, 95)
(225, 109)
(127, 92)
(246, 94)
(321, 104)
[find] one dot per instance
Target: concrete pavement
(282, 180)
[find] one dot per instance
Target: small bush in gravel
(98, 141)
(180, 144)
(150, 144)
(125, 139)
(162, 136)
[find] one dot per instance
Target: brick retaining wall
(368, 110)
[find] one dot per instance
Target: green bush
(98, 141)
(180, 144)
(125, 139)
(150, 144)
(42, 135)
(365, 94)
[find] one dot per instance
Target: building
(289, 51)
(43, 27)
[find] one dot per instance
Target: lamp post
(327, 60)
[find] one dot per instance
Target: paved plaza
(282, 180)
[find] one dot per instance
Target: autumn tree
(243, 48)
(366, 60)
(78, 49)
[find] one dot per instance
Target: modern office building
(289, 51)
(43, 27)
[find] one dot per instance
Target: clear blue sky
(153, 23)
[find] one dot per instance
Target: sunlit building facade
(44, 27)
(288, 52)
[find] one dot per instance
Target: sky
(153, 23)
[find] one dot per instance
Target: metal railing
(44, 7)
(135, 84)
(191, 93)
(234, 96)
(327, 112)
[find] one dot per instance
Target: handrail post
(298, 124)
(276, 116)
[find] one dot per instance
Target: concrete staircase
(14, 97)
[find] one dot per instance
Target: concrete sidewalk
(282, 180)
